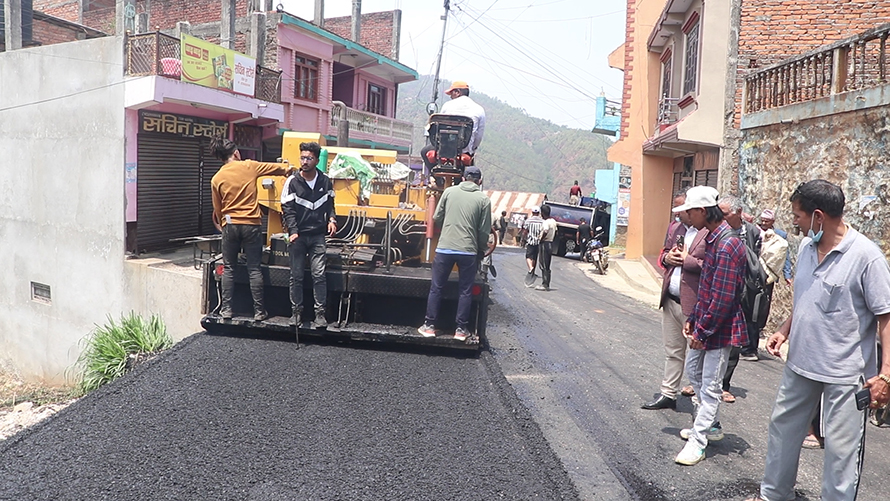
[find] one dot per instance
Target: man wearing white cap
(716, 323)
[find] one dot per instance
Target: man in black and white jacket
(307, 201)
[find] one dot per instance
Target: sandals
(812, 442)
(728, 397)
(687, 391)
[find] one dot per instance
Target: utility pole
(433, 106)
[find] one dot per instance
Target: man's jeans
(466, 273)
(705, 369)
(234, 238)
(544, 261)
(314, 247)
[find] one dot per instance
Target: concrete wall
(62, 214)
(848, 148)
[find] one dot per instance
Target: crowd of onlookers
(720, 270)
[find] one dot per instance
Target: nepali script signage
(181, 125)
(215, 67)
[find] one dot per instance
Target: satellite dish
(432, 108)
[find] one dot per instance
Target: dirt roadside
(25, 404)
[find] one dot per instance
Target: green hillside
(519, 152)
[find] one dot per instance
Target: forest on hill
(518, 152)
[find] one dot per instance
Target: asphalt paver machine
(378, 262)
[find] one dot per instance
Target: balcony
(668, 112)
(158, 54)
(370, 126)
(856, 63)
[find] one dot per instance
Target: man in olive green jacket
(464, 214)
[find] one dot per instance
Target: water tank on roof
(27, 21)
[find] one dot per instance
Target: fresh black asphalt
(223, 417)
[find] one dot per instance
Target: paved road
(231, 418)
(583, 359)
(236, 418)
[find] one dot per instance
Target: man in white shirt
(460, 105)
(548, 232)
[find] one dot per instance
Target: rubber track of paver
(258, 419)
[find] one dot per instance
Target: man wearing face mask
(841, 303)
(307, 201)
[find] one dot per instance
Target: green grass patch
(112, 350)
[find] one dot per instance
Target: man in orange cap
(462, 105)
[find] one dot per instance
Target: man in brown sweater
(236, 210)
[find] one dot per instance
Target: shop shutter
(209, 167)
(169, 195)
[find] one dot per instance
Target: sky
(547, 57)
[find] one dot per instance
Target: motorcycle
(596, 253)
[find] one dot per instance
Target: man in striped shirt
(716, 323)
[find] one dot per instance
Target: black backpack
(755, 300)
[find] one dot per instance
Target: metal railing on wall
(159, 54)
(371, 123)
(855, 63)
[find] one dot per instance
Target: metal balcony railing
(856, 63)
(371, 123)
(158, 54)
(668, 111)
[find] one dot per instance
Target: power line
(42, 101)
(585, 18)
(537, 60)
(543, 133)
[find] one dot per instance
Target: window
(691, 69)
(377, 99)
(306, 78)
(666, 68)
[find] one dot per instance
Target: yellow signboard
(212, 66)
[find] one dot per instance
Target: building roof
(364, 57)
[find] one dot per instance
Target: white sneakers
(691, 454)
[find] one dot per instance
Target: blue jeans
(314, 247)
(234, 238)
(466, 273)
(705, 369)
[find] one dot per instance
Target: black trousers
(544, 258)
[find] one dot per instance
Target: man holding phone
(681, 260)
(841, 302)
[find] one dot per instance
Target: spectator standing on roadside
(532, 228)
(548, 232)
(236, 210)
(731, 207)
(681, 260)
(502, 226)
(841, 308)
(767, 222)
(575, 194)
(716, 323)
(582, 236)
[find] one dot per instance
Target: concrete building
(679, 86)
